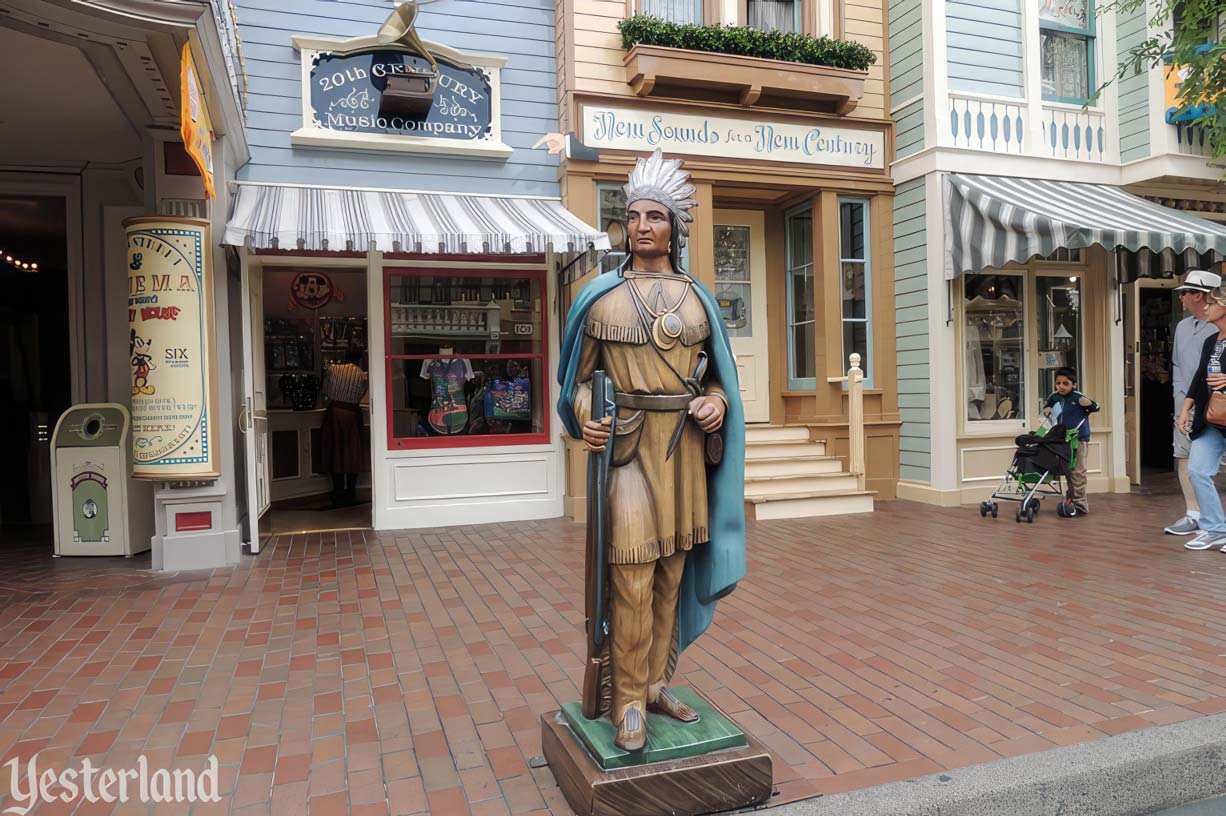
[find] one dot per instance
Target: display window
(466, 357)
(1018, 329)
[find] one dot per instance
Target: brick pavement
(404, 672)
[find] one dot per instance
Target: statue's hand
(708, 412)
(596, 434)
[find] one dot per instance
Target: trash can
(99, 509)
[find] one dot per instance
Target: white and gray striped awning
(992, 220)
(330, 219)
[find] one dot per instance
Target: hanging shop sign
(395, 91)
(195, 125)
(171, 348)
(695, 135)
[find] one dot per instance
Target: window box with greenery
(744, 65)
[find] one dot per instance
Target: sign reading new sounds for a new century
(170, 349)
(629, 129)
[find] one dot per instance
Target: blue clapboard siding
(984, 45)
(906, 50)
(910, 129)
(520, 30)
(1135, 111)
(911, 323)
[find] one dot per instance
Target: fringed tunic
(657, 506)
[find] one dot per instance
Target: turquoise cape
(712, 569)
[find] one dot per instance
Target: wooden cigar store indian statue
(649, 384)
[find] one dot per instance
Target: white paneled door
(740, 290)
(253, 420)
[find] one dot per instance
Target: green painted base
(666, 738)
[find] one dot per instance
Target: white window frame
(1032, 400)
(998, 427)
(797, 383)
(1070, 273)
(637, 6)
(797, 14)
(867, 260)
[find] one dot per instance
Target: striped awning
(269, 216)
(992, 220)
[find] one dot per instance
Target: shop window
(802, 367)
(1066, 50)
(466, 358)
(675, 11)
(993, 335)
(773, 15)
(612, 209)
(1059, 306)
(855, 283)
(733, 289)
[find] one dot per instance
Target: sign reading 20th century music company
(629, 129)
(344, 83)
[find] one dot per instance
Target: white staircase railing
(855, 417)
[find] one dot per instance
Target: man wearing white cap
(1190, 337)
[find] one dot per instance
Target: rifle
(596, 566)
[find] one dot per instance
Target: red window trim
(502, 260)
(290, 254)
(511, 269)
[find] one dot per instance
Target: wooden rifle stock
(596, 562)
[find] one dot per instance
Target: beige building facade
(793, 229)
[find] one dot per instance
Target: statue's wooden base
(720, 780)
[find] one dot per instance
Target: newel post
(855, 427)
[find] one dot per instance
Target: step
(792, 466)
(776, 433)
(804, 505)
(781, 450)
(800, 484)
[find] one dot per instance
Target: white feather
(662, 180)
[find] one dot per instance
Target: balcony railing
(1007, 126)
(1071, 133)
(997, 126)
(1192, 141)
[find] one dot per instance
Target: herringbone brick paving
(405, 672)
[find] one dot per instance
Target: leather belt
(653, 402)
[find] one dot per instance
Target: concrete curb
(1131, 774)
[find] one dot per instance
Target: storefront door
(255, 403)
(740, 289)
(36, 363)
(1151, 313)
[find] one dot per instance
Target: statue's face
(650, 230)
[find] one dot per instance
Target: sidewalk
(404, 672)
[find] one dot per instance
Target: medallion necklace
(666, 325)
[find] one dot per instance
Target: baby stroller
(1044, 459)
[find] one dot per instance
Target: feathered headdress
(662, 180)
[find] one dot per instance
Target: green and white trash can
(99, 509)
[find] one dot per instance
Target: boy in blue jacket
(1071, 408)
